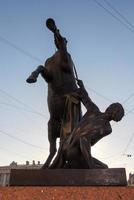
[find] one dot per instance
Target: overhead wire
(126, 25)
(22, 109)
(12, 105)
(11, 152)
(6, 41)
(130, 29)
(112, 156)
(23, 112)
(99, 94)
(29, 55)
(20, 140)
(129, 142)
(129, 111)
(132, 26)
(22, 103)
(119, 13)
(128, 98)
(114, 16)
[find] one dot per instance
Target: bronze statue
(58, 73)
(77, 134)
(75, 151)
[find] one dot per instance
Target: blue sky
(102, 49)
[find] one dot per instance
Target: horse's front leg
(53, 133)
(34, 75)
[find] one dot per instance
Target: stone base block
(68, 177)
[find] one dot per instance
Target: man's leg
(85, 146)
(98, 164)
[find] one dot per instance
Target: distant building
(131, 179)
(6, 170)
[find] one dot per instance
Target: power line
(128, 98)
(112, 156)
(22, 103)
(11, 152)
(20, 140)
(29, 55)
(100, 95)
(119, 13)
(4, 40)
(129, 111)
(129, 142)
(20, 108)
(12, 105)
(118, 19)
(122, 153)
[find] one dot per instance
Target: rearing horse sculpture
(58, 73)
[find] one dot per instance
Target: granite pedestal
(68, 177)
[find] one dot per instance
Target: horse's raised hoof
(31, 80)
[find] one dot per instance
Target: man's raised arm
(86, 100)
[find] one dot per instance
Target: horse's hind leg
(53, 132)
(51, 154)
